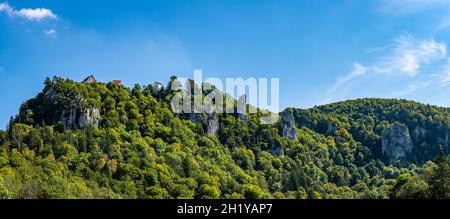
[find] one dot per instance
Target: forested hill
(104, 140)
(367, 119)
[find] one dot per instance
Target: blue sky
(322, 51)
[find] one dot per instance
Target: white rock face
(213, 125)
(396, 142)
(75, 113)
(242, 113)
(158, 86)
(89, 117)
(70, 119)
(288, 125)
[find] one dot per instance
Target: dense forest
(105, 140)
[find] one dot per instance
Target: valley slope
(104, 140)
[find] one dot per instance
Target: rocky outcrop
(158, 86)
(89, 117)
(241, 112)
(212, 122)
(396, 142)
(287, 124)
(69, 118)
(68, 107)
(213, 125)
(50, 93)
(418, 133)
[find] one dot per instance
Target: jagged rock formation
(50, 93)
(288, 125)
(396, 142)
(242, 109)
(158, 86)
(213, 124)
(69, 119)
(69, 116)
(89, 117)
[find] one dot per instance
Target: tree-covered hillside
(367, 119)
(96, 140)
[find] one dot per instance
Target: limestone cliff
(396, 142)
(89, 117)
(287, 124)
(241, 112)
(213, 124)
(68, 118)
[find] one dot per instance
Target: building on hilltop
(89, 80)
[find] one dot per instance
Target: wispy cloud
(36, 14)
(444, 78)
(404, 57)
(50, 32)
(358, 70)
(409, 54)
(439, 81)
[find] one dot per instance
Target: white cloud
(444, 78)
(409, 54)
(404, 59)
(36, 14)
(358, 70)
(50, 33)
